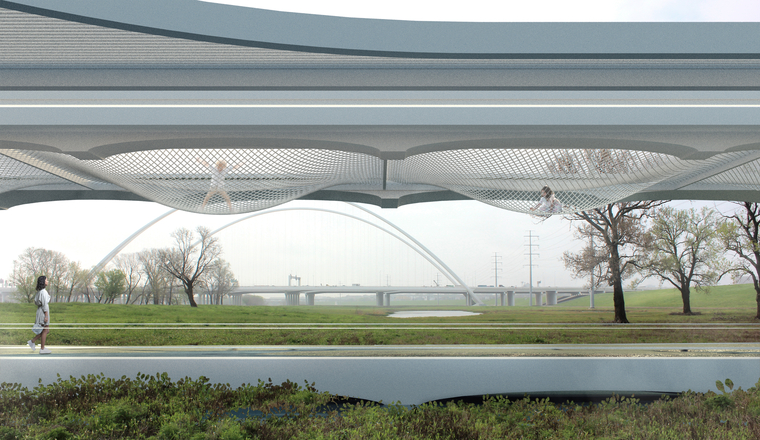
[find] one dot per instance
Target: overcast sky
(329, 249)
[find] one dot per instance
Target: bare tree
(682, 248)
(740, 235)
(219, 280)
(187, 260)
(591, 262)
(130, 265)
(620, 227)
(157, 279)
(76, 280)
(35, 262)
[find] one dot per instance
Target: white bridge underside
(100, 100)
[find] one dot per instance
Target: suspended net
(223, 181)
(511, 179)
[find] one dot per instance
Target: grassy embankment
(724, 304)
(156, 408)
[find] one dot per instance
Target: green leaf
(719, 385)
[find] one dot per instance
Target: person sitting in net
(548, 203)
(218, 172)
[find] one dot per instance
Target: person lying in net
(548, 203)
(218, 172)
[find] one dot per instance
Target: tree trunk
(617, 287)
(757, 299)
(189, 292)
(686, 302)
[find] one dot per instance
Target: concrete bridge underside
(132, 99)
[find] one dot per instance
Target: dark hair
(547, 190)
(41, 282)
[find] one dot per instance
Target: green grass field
(732, 296)
(724, 304)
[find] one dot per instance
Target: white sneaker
(45, 351)
(31, 344)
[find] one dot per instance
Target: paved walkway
(412, 374)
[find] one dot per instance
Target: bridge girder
(129, 101)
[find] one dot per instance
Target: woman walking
(42, 300)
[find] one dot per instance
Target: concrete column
(379, 299)
(387, 300)
(292, 299)
(511, 298)
(501, 298)
(537, 296)
(551, 297)
(310, 298)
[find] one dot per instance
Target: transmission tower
(496, 269)
(530, 255)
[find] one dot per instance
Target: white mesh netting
(15, 175)
(512, 179)
(220, 181)
(223, 181)
(744, 177)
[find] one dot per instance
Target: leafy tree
(740, 235)
(682, 248)
(619, 228)
(254, 300)
(219, 280)
(188, 260)
(110, 284)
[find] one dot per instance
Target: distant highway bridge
(505, 295)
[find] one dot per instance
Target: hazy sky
(328, 249)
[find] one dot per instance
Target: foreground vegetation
(155, 407)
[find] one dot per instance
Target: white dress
(217, 178)
(549, 205)
(42, 300)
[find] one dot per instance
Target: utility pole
(496, 263)
(530, 255)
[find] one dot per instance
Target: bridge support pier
(310, 298)
(292, 299)
(511, 298)
(551, 297)
(379, 299)
(387, 299)
(537, 296)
